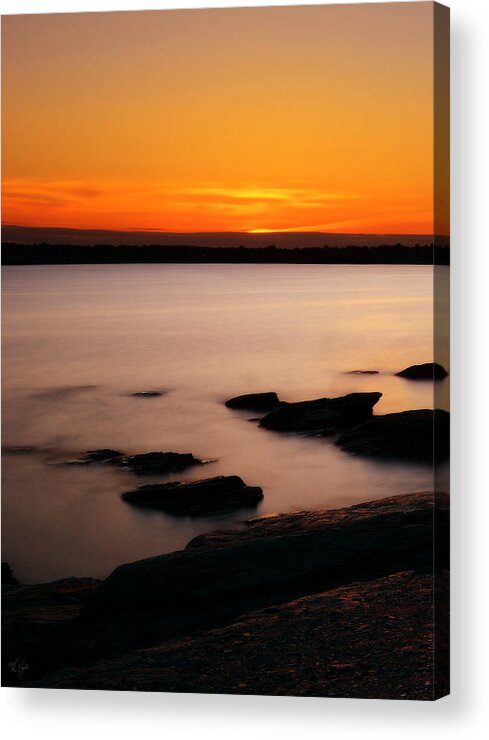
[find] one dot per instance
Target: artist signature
(18, 666)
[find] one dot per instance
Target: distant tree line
(68, 254)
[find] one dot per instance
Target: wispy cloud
(195, 207)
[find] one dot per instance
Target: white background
(39, 714)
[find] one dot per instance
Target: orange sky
(305, 118)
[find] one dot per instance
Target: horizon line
(250, 232)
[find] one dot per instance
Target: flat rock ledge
(254, 402)
(426, 371)
(322, 414)
(323, 603)
(206, 497)
(419, 435)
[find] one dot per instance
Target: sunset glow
(253, 120)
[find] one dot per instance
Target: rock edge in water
(159, 463)
(197, 498)
(426, 371)
(322, 414)
(363, 372)
(147, 394)
(104, 455)
(254, 401)
(145, 463)
(418, 435)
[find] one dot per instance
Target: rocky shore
(351, 602)
(321, 603)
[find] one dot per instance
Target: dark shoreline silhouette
(66, 254)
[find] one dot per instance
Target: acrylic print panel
(225, 341)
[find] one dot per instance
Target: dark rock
(282, 606)
(321, 414)
(363, 372)
(222, 575)
(197, 498)
(406, 435)
(146, 394)
(146, 463)
(407, 507)
(105, 455)
(254, 402)
(36, 626)
(427, 371)
(369, 639)
(159, 463)
(8, 578)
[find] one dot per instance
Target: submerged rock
(321, 414)
(105, 455)
(363, 372)
(407, 434)
(427, 371)
(146, 463)
(159, 463)
(146, 394)
(254, 401)
(197, 498)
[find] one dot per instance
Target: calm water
(78, 340)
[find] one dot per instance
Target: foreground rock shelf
(366, 640)
(315, 603)
(290, 554)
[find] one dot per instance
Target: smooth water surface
(79, 340)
